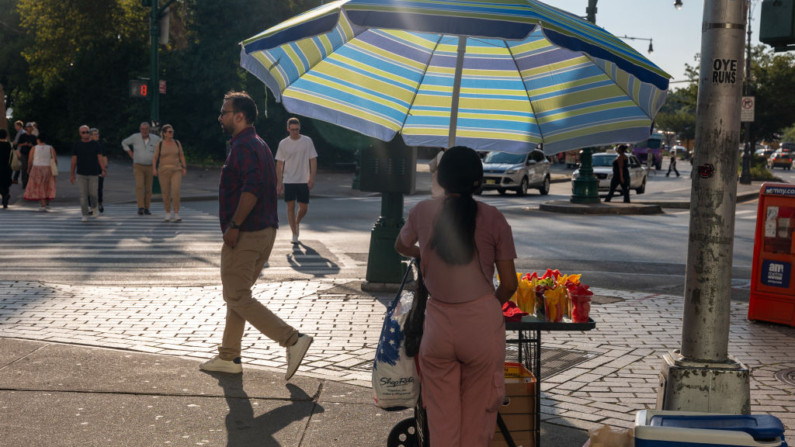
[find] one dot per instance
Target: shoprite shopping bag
(395, 378)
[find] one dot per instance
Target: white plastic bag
(395, 379)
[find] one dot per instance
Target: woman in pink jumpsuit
(463, 346)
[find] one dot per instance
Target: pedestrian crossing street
(122, 248)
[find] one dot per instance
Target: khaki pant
(143, 184)
(88, 191)
(170, 180)
(240, 268)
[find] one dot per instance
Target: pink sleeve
(408, 234)
(503, 238)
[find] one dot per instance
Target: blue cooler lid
(758, 426)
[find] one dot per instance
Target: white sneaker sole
(209, 367)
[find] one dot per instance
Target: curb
(745, 197)
(562, 207)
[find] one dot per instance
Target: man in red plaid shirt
(249, 219)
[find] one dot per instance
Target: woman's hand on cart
(508, 281)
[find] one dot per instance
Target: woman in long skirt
(41, 183)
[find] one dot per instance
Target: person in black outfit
(672, 165)
(26, 143)
(5, 167)
(620, 174)
(95, 136)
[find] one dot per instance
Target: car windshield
(504, 158)
(604, 160)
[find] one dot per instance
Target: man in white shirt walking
(141, 148)
(296, 166)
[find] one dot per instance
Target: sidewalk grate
(553, 360)
(786, 376)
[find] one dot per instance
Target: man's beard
(226, 130)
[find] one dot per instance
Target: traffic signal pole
(745, 175)
(702, 376)
(154, 64)
(585, 188)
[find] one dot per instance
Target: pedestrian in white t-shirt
(296, 166)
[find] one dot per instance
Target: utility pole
(745, 175)
(702, 376)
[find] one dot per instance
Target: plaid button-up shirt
(249, 168)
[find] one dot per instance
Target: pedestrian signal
(139, 89)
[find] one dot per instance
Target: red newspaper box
(772, 285)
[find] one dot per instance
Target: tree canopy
(65, 63)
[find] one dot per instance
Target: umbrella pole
(459, 71)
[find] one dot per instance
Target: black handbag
(416, 318)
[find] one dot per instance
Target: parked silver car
(505, 171)
(603, 171)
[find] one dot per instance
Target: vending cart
(772, 285)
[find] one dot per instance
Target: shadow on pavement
(243, 428)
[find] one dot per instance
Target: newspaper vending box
(772, 285)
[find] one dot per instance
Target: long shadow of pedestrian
(303, 254)
(243, 429)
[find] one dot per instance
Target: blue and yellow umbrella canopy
(531, 74)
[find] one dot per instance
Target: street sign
(748, 106)
(162, 87)
(139, 89)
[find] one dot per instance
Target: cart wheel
(404, 434)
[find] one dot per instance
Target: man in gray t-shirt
(141, 148)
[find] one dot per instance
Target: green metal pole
(585, 189)
(154, 70)
(384, 264)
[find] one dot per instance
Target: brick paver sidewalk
(620, 378)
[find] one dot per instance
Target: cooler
(684, 429)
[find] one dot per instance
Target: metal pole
(585, 189)
(459, 71)
(591, 11)
(703, 376)
(154, 83)
(745, 176)
(705, 335)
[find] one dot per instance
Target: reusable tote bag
(395, 379)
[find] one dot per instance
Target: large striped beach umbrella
(493, 75)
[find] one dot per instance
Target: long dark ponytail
(460, 174)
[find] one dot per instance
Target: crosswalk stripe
(122, 247)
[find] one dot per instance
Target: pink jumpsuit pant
(462, 357)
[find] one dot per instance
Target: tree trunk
(3, 121)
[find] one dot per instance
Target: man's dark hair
(293, 120)
(3, 134)
(242, 102)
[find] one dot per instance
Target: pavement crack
(315, 405)
(25, 356)
(133, 393)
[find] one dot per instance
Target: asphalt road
(640, 253)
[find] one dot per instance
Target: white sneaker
(167, 219)
(96, 212)
(84, 219)
(216, 364)
(47, 207)
(176, 218)
(295, 239)
(296, 353)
